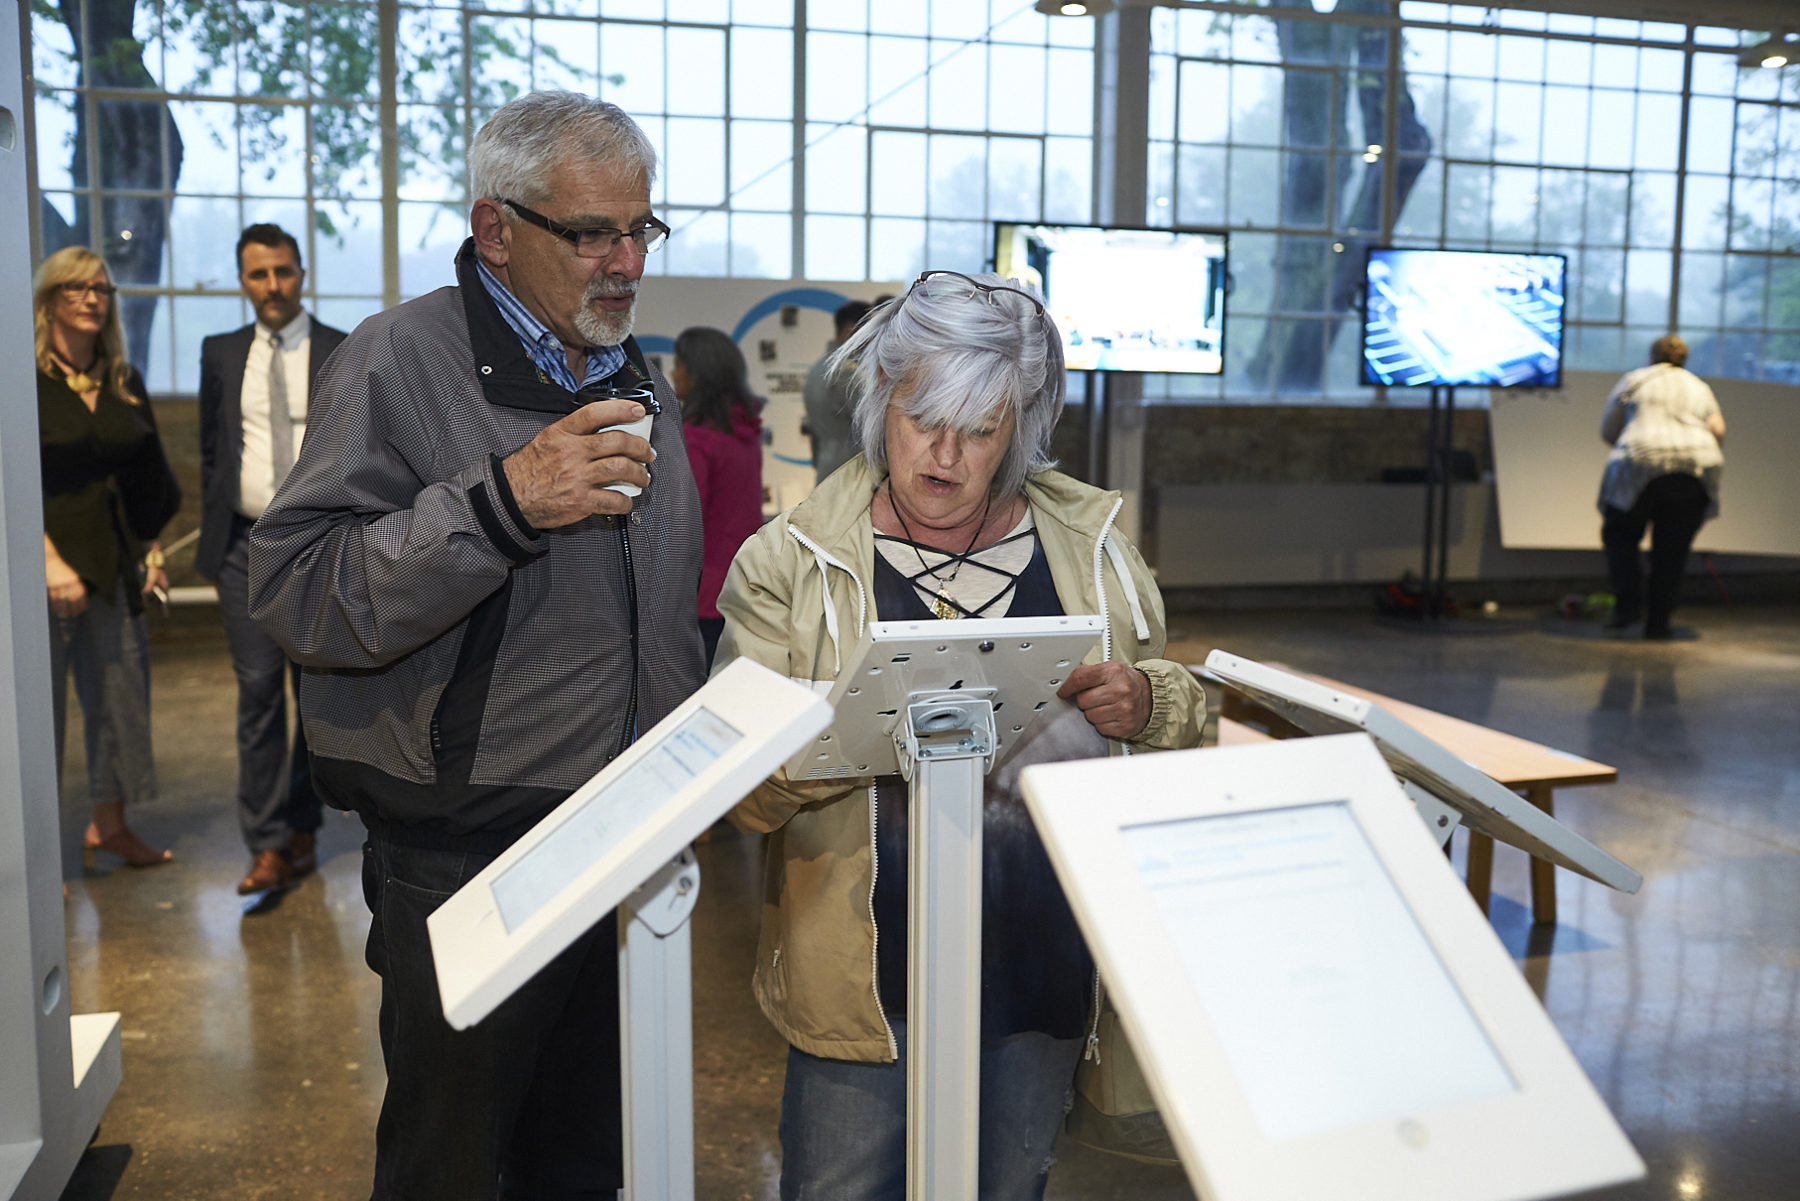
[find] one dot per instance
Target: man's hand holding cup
(592, 461)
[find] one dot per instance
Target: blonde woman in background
(108, 492)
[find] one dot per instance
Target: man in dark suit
(254, 386)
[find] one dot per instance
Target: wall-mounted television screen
(1482, 318)
(1125, 299)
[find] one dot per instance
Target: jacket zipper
(628, 733)
(1093, 1038)
(821, 555)
(875, 941)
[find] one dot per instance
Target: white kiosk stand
(1318, 1005)
(620, 841)
(940, 703)
(1446, 790)
(57, 1070)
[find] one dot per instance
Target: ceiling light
(1778, 50)
(1324, 6)
(1074, 8)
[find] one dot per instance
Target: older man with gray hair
(491, 592)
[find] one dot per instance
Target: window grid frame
(1578, 248)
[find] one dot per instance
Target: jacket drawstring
(823, 561)
(1123, 571)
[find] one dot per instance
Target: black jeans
(525, 1105)
(1674, 507)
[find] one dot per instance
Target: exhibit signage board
(614, 832)
(1483, 802)
(1319, 1007)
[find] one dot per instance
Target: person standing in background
(255, 383)
(828, 399)
(724, 442)
(108, 490)
(1665, 429)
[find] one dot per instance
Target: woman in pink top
(720, 417)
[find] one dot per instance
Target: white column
(56, 1073)
(656, 1033)
(951, 744)
(1122, 159)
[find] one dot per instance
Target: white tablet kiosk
(1482, 802)
(1017, 663)
(1319, 1007)
(614, 833)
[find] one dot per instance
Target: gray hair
(514, 152)
(963, 358)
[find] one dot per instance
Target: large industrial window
(925, 122)
(886, 136)
(1492, 129)
(165, 126)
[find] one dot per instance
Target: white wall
(1548, 458)
(1245, 534)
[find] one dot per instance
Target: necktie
(281, 423)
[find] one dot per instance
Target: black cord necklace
(943, 607)
(78, 381)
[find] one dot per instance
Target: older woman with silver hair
(952, 510)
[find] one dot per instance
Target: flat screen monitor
(1480, 318)
(1148, 300)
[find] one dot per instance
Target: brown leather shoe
(269, 872)
(302, 853)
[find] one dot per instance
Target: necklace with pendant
(79, 381)
(943, 608)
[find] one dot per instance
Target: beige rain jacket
(796, 600)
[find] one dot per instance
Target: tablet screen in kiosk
(609, 815)
(1313, 970)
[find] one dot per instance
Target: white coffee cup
(640, 427)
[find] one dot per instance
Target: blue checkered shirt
(542, 345)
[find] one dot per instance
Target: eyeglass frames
(597, 241)
(75, 290)
(957, 286)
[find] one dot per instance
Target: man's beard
(602, 327)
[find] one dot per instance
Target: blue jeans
(843, 1124)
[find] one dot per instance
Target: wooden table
(1527, 767)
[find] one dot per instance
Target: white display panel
(1275, 915)
(1318, 1005)
(614, 832)
(1017, 663)
(1483, 802)
(604, 819)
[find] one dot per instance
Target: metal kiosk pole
(656, 1033)
(945, 748)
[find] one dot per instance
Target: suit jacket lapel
(324, 341)
(231, 416)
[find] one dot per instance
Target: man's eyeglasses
(954, 285)
(80, 291)
(597, 241)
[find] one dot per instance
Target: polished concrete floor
(251, 1067)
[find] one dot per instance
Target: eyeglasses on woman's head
(954, 285)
